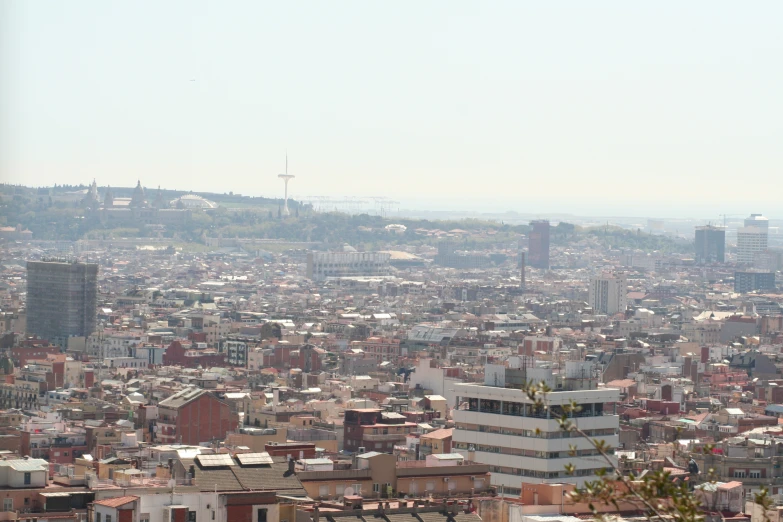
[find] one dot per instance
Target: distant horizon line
(497, 208)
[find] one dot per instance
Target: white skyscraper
(752, 238)
(608, 293)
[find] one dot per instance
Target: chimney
(522, 270)
(290, 465)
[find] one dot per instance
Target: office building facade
(750, 281)
(710, 244)
(325, 265)
(751, 241)
(538, 244)
(503, 428)
(62, 299)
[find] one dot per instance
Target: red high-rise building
(538, 244)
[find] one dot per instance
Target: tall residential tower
(61, 299)
(538, 244)
(608, 294)
(710, 244)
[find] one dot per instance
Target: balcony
(532, 423)
(385, 438)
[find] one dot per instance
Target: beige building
(379, 475)
(256, 438)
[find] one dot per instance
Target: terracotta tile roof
(442, 433)
(116, 502)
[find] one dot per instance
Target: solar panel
(214, 461)
(254, 459)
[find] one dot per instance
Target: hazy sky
(654, 108)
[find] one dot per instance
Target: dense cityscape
(190, 357)
(411, 261)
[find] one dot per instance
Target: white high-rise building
(608, 294)
(757, 221)
(752, 240)
(500, 426)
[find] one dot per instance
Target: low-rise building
(193, 416)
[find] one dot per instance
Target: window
(108, 518)
(739, 474)
(8, 504)
(376, 488)
(478, 484)
(430, 486)
(97, 517)
(27, 478)
(262, 515)
(144, 517)
(754, 474)
(191, 516)
(323, 491)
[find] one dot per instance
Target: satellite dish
(348, 491)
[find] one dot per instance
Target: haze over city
(432, 261)
(608, 108)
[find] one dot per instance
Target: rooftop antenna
(286, 178)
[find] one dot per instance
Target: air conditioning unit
(445, 479)
(472, 478)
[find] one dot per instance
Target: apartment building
(752, 280)
(236, 352)
(754, 458)
(379, 348)
(61, 299)
(379, 475)
(500, 426)
(374, 430)
(193, 416)
(608, 294)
